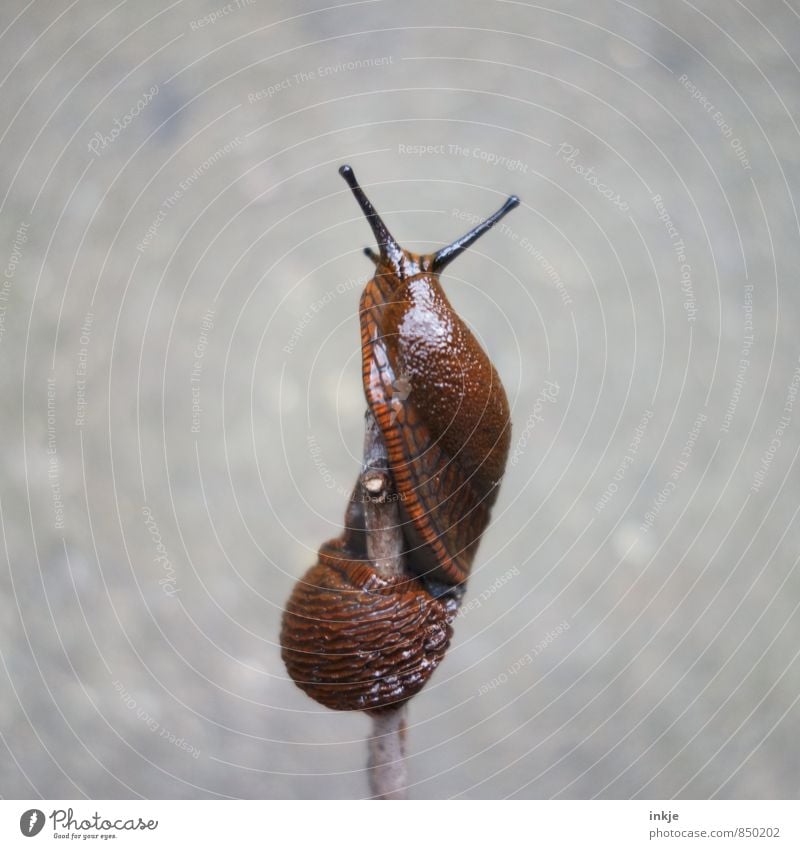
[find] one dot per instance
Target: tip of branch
(375, 483)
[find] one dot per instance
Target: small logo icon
(31, 822)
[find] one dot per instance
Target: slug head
(400, 263)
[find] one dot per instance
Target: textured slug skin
(436, 396)
(443, 413)
(353, 640)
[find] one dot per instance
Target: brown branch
(386, 764)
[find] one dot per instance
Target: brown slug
(448, 434)
(351, 638)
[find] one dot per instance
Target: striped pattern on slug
(448, 429)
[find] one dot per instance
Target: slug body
(438, 400)
(354, 639)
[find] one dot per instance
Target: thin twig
(388, 776)
(386, 764)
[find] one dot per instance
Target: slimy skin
(354, 639)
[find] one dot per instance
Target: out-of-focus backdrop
(181, 419)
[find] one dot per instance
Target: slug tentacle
(388, 246)
(446, 255)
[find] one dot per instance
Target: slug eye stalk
(445, 256)
(386, 242)
(391, 250)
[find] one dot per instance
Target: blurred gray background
(180, 269)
